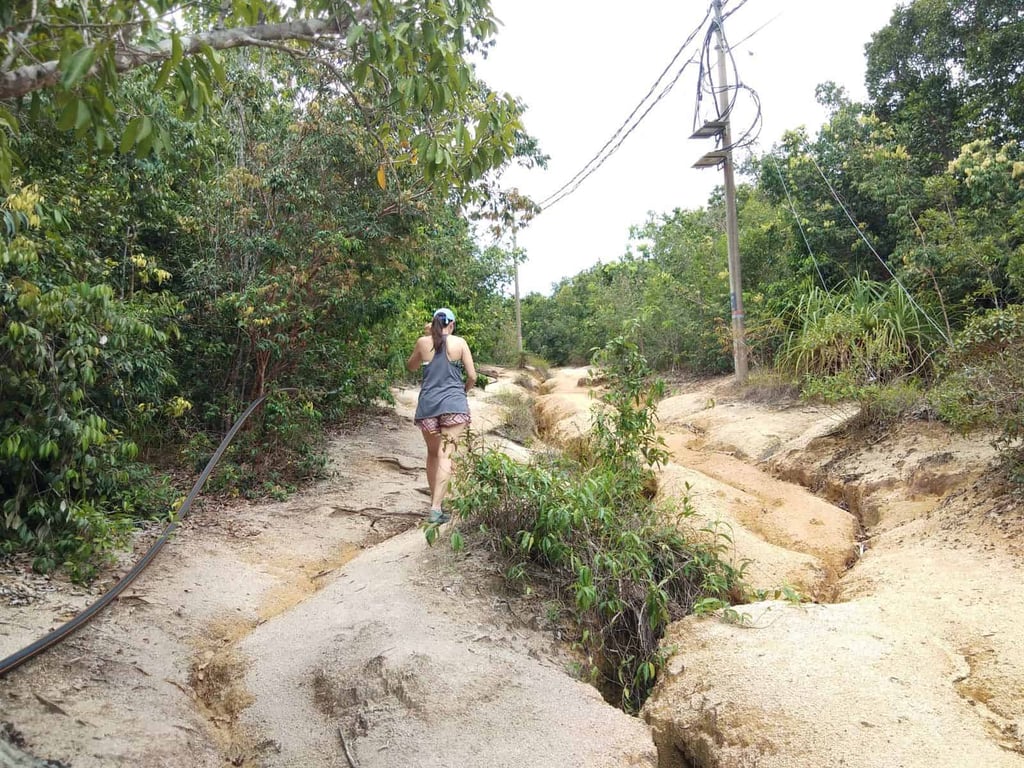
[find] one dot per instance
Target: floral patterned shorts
(433, 424)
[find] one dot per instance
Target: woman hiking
(442, 412)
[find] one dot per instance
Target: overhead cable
(733, 10)
(628, 125)
(706, 84)
(614, 149)
(799, 223)
(882, 261)
(743, 40)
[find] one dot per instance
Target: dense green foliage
(984, 381)
(290, 237)
(946, 72)
(207, 202)
(679, 266)
(590, 524)
(77, 367)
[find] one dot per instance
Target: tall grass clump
(863, 333)
(866, 341)
(589, 528)
(518, 423)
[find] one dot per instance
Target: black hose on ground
(54, 637)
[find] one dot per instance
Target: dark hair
(436, 327)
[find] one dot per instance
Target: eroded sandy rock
(717, 509)
(779, 512)
(920, 667)
(858, 684)
(715, 421)
(389, 658)
(564, 419)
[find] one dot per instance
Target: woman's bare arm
(467, 363)
(416, 359)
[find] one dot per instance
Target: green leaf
(165, 74)
(359, 72)
(77, 66)
(458, 543)
(35, 107)
(355, 34)
(82, 116)
(103, 142)
(144, 140)
(130, 135)
(176, 50)
(7, 119)
(216, 64)
(66, 121)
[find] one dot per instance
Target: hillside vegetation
(883, 258)
(273, 207)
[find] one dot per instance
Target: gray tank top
(442, 390)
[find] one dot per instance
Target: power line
(867, 242)
(706, 84)
(600, 157)
(614, 149)
(799, 223)
(730, 13)
(773, 18)
(746, 139)
(753, 132)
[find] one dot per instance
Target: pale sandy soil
(282, 634)
(915, 660)
(911, 654)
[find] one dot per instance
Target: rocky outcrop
(395, 663)
(917, 663)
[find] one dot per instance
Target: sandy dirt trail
(910, 655)
(283, 634)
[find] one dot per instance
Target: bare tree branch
(32, 77)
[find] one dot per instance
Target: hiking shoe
(438, 516)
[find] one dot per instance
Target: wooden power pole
(520, 361)
(723, 157)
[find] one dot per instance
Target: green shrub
(624, 438)
(536, 365)
(281, 446)
(771, 387)
(868, 333)
(983, 378)
(881, 405)
(596, 534)
(80, 372)
(518, 423)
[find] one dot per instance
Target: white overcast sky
(582, 65)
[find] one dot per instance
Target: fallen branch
(344, 746)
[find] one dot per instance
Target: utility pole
(519, 313)
(724, 157)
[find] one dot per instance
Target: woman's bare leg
(433, 459)
(449, 438)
